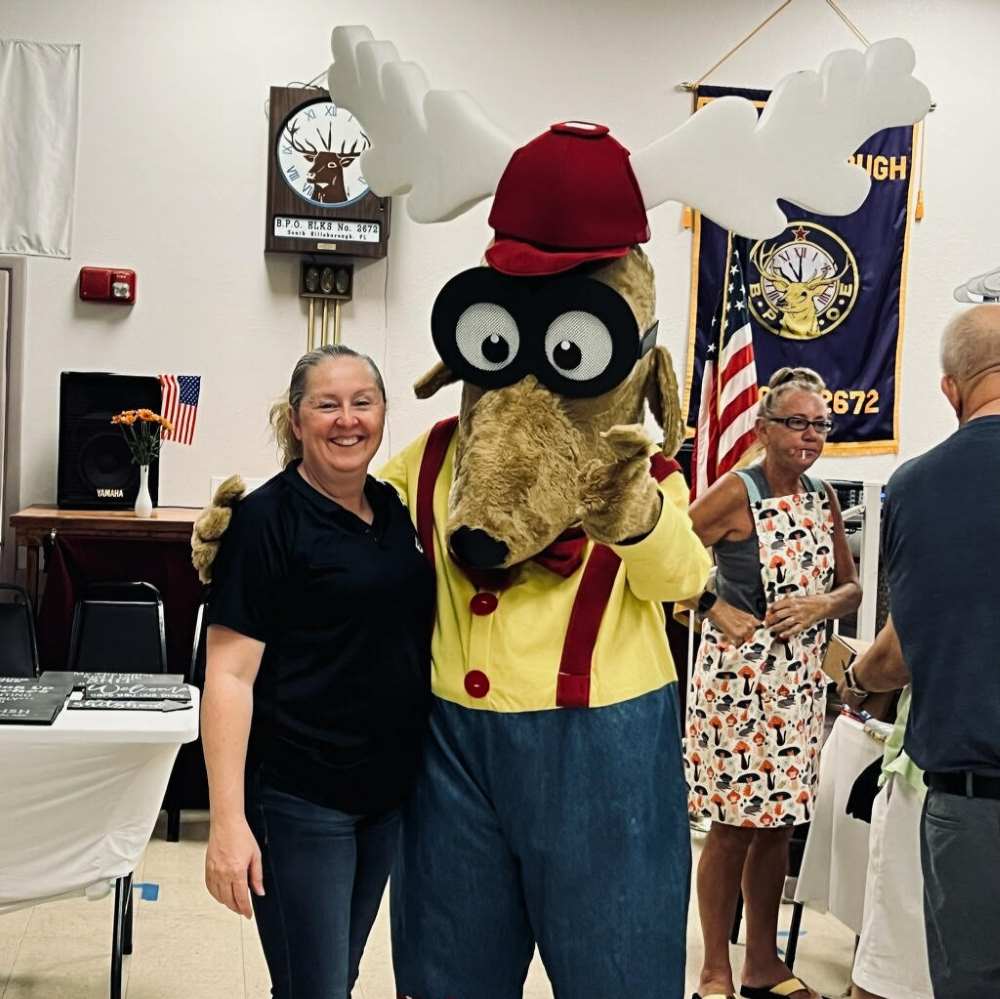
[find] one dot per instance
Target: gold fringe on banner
(918, 212)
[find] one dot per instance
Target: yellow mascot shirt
(501, 650)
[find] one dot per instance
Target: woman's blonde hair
(280, 416)
(786, 380)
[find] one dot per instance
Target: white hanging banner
(39, 120)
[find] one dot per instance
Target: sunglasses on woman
(799, 423)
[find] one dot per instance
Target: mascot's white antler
(437, 144)
(733, 167)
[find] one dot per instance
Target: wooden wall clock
(317, 198)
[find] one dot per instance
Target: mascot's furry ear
(439, 376)
(664, 400)
(212, 524)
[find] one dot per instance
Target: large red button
(477, 683)
(483, 603)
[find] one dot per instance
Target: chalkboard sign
(94, 704)
(79, 681)
(63, 678)
(148, 679)
(30, 703)
(114, 691)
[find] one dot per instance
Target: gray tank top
(737, 579)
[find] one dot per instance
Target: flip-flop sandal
(712, 995)
(786, 988)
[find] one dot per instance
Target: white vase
(143, 501)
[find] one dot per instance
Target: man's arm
(881, 668)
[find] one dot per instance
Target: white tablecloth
(79, 798)
(832, 876)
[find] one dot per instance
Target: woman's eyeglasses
(799, 423)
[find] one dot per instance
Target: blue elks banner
(827, 293)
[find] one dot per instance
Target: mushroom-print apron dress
(755, 711)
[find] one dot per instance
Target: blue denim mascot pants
(565, 828)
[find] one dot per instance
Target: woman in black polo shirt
(318, 683)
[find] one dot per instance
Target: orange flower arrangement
(142, 428)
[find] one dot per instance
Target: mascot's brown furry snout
(516, 470)
(476, 549)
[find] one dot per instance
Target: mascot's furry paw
(619, 499)
(212, 524)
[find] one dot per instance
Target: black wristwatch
(707, 602)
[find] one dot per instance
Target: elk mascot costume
(551, 809)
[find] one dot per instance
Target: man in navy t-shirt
(941, 544)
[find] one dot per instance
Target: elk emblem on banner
(806, 285)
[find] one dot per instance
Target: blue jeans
(564, 828)
(324, 875)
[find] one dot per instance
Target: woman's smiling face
(341, 418)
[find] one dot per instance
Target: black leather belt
(968, 785)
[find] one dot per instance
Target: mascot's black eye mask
(577, 336)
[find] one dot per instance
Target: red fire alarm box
(105, 284)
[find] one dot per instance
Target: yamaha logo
(111, 493)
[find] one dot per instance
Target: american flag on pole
(728, 406)
(180, 405)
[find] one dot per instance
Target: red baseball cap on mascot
(566, 198)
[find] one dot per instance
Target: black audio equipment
(96, 471)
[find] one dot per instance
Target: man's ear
(664, 400)
(951, 392)
(435, 379)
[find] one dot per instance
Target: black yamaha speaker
(96, 471)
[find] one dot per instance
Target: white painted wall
(172, 173)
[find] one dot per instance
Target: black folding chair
(18, 643)
(188, 786)
(118, 628)
(121, 931)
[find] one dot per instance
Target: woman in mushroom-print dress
(757, 690)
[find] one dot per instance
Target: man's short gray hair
(971, 342)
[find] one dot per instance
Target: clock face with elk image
(318, 201)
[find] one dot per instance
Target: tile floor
(186, 946)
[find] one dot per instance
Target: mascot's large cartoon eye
(579, 346)
(487, 336)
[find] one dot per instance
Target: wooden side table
(34, 523)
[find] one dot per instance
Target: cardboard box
(840, 653)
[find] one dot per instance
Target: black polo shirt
(345, 611)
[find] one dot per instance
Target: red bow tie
(563, 557)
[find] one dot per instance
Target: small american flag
(727, 410)
(180, 405)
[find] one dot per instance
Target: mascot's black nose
(476, 549)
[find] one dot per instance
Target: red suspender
(430, 467)
(573, 684)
